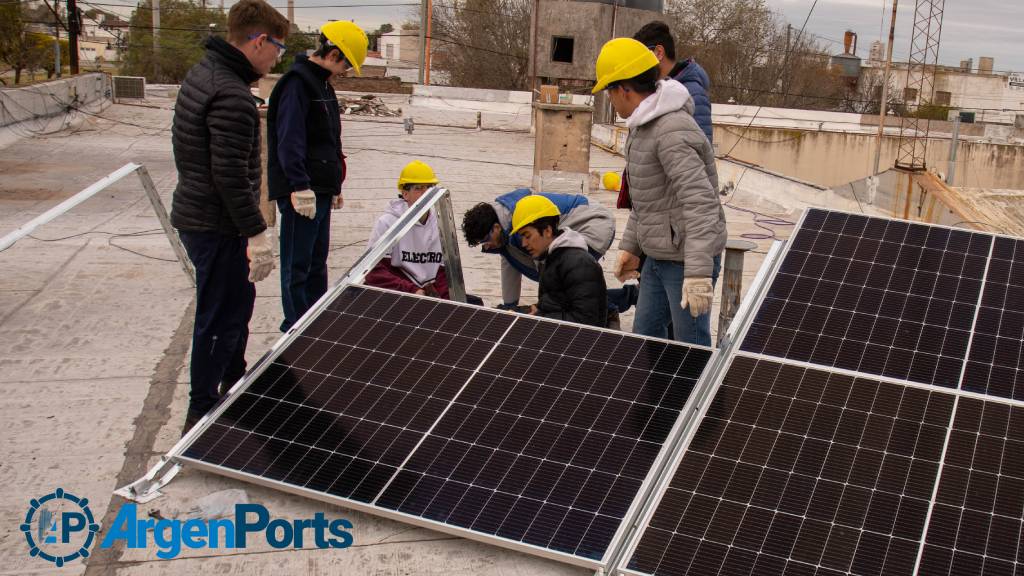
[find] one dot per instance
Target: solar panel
(521, 431)
(994, 365)
(801, 471)
(975, 526)
(346, 403)
(874, 295)
(826, 448)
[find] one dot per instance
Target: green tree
(184, 27)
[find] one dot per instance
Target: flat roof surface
(96, 321)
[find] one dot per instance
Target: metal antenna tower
(924, 57)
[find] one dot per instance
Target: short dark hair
(546, 222)
(326, 48)
(478, 222)
(249, 17)
(657, 33)
(643, 83)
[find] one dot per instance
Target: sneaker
(613, 320)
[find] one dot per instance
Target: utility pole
(426, 54)
(951, 174)
(156, 40)
(56, 50)
(885, 87)
(291, 12)
(423, 38)
(74, 29)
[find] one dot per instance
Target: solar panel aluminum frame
(147, 488)
(615, 545)
(714, 375)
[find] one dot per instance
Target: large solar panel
(801, 471)
(527, 432)
(872, 423)
(874, 295)
(995, 362)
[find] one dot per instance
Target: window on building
(389, 51)
(942, 98)
(561, 49)
(910, 95)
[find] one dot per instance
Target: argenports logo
(59, 527)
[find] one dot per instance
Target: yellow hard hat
(530, 209)
(416, 172)
(611, 181)
(350, 39)
(622, 59)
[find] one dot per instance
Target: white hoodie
(669, 97)
(418, 254)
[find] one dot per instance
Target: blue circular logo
(59, 527)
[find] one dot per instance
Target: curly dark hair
(478, 222)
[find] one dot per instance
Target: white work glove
(627, 267)
(261, 256)
(697, 294)
(304, 203)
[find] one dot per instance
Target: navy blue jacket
(696, 80)
(304, 133)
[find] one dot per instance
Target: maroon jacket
(384, 275)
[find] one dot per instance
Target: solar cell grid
(508, 426)
(874, 295)
(995, 362)
(551, 440)
(349, 399)
(976, 523)
(800, 471)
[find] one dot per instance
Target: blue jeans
(224, 304)
(304, 247)
(661, 290)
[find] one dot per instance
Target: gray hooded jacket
(673, 184)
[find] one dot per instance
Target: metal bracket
(93, 189)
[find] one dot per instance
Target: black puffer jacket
(572, 286)
(216, 140)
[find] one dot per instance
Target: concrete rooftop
(96, 320)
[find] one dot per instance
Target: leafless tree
(482, 43)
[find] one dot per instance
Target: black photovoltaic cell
(796, 471)
(976, 522)
(552, 439)
(874, 295)
(344, 405)
(995, 362)
(546, 443)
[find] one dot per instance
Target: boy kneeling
(572, 286)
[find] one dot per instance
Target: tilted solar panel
(872, 423)
(801, 471)
(873, 295)
(525, 432)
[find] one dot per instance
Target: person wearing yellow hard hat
(415, 264)
(572, 286)
(676, 220)
(305, 164)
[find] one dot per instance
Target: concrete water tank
(986, 64)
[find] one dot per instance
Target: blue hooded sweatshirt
(696, 80)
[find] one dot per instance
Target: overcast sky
(970, 28)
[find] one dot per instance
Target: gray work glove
(304, 203)
(261, 256)
(697, 294)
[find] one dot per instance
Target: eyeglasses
(280, 47)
